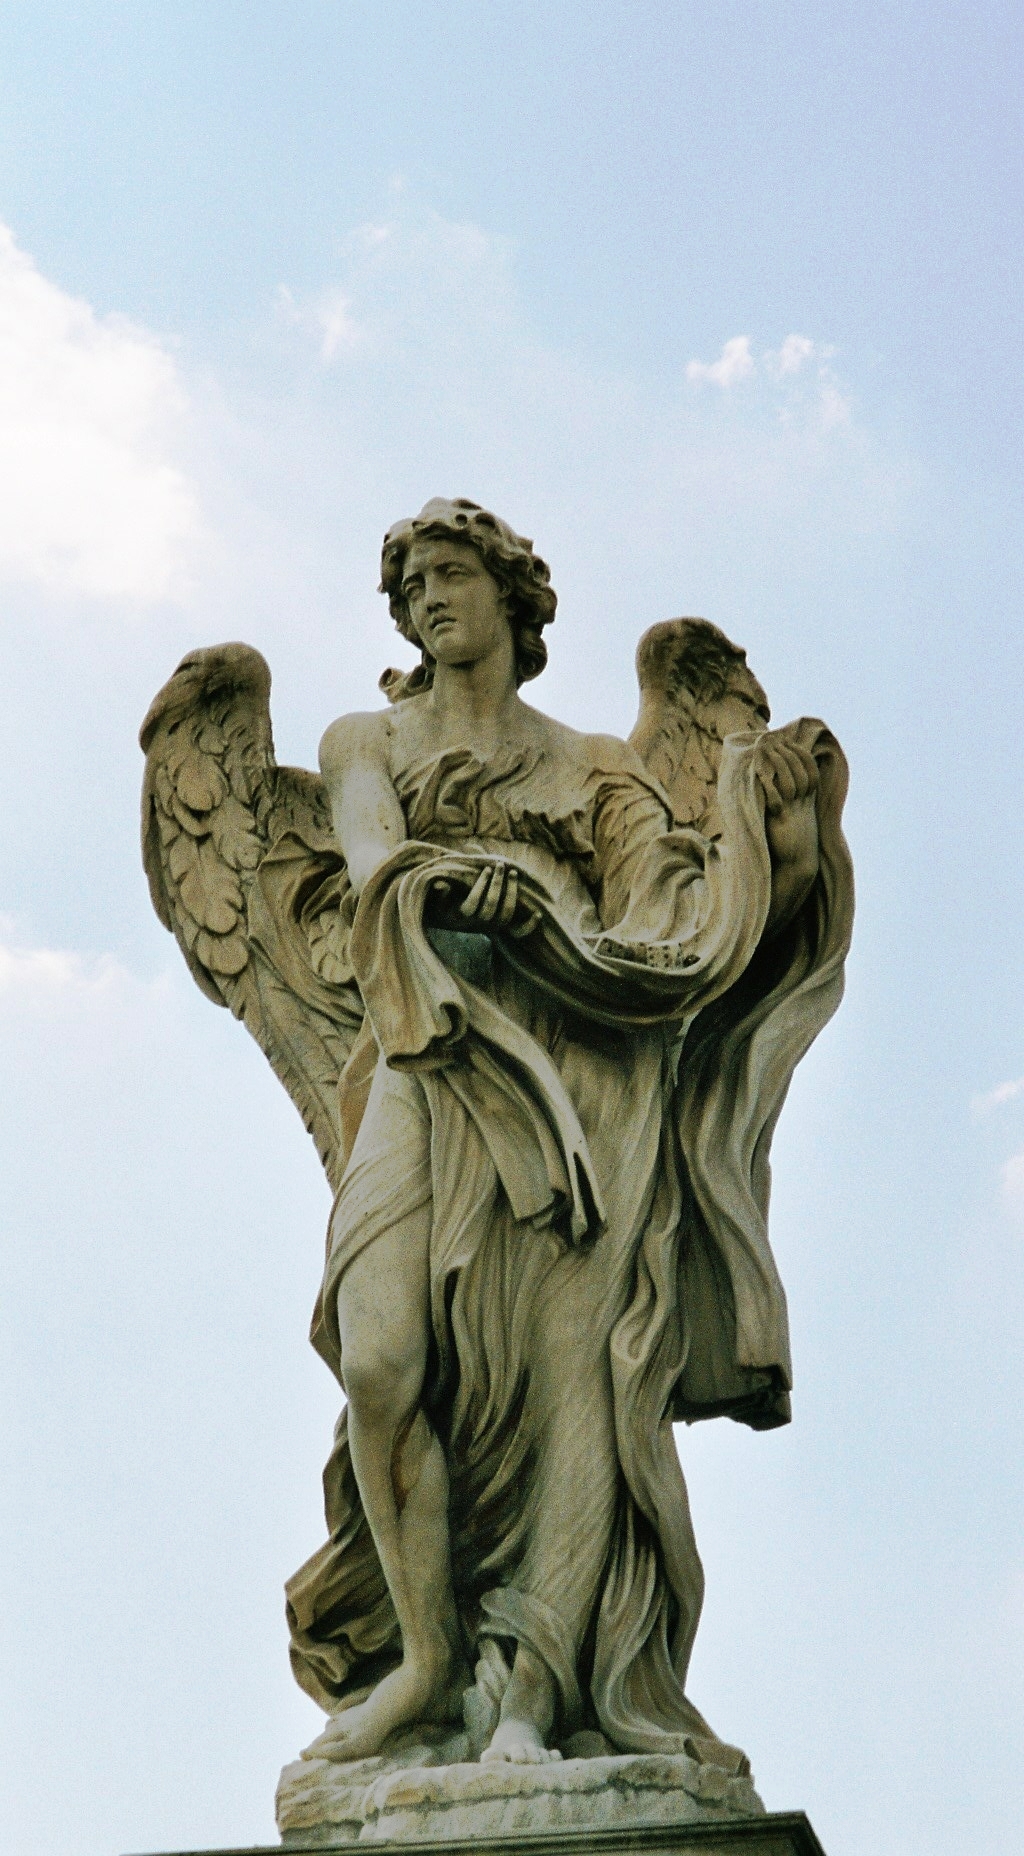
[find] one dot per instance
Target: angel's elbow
(363, 858)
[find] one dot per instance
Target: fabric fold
(585, 1119)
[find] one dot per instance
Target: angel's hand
(788, 774)
(491, 904)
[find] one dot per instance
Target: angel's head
(519, 577)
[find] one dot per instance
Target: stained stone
(782, 1833)
(452, 1803)
(538, 995)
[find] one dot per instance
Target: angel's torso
(540, 799)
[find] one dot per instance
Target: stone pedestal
(413, 1799)
(430, 1786)
(785, 1833)
(618, 1803)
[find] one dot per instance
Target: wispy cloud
(433, 376)
(59, 979)
(997, 1097)
(409, 275)
(327, 317)
(1011, 1171)
(834, 406)
(734, 364)
(90, 501)
(795, 352)
(785, 369)
(1012, 1179)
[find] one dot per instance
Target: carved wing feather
(695, 688)
(245, 871)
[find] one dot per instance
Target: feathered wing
(695, 688)
(740, 1052)
(245, 871)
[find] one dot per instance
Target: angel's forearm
(363, 856)
(791, 885)
(792, 834)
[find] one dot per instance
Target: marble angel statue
(538, 996)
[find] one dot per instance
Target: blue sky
(720, 303)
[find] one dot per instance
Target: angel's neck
(474, 702)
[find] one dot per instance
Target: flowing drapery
(587, 1115)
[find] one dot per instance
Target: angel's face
(457, 607)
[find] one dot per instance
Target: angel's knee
(383, 1324)
(382, 1381)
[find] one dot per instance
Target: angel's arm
(370, 824)
(368, 818)
(653, 880)
(788, 774)
(629, 822)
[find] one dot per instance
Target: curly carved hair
(509, 558)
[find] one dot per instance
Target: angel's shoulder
(360, 737)
(568, 746)
(612, 756)
(603, 756)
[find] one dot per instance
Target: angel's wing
(246, 872)
(695, 688)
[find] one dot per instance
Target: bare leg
(403, 1482)
(527, 1714)
(577, 1476)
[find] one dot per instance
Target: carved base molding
(781, 1833)
(382, 1801)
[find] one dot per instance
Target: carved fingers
(492, 902)
(493, 893)
(788, 772)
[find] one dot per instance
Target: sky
(721, 303)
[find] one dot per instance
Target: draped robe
(584, 1115)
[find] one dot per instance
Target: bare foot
(527, 1714)
(412, 1692)
(519, 1743)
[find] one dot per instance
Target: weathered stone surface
(538, 995)
(778, 1834)
(328, 1799)
(370, 1801)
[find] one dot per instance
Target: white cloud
(423, 296)
(51, 979)
(1012, 1178)
(834, 406)
(416, 280)
(795, 350)
(450, 386)
(824, 400)
(995, 1098)
(41, 970)
(89, 500)
(328, 317)
(734, 364)
(795, 354)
